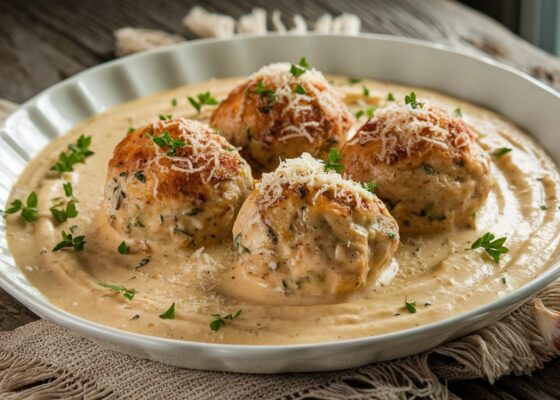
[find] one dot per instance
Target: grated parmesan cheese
(308, 172)
(278, 75)
(400, 129)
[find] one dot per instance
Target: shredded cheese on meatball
(205, 150)
(400, 128)
(279, 76)
(306, 171)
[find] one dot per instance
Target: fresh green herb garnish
(62, 215)
(494, 248)
(504, 281)
(390, 97)
(68, 190)
(123, 248)
(428, 169)
(458, 113)
(174, 102)
(369, 112)
(165, 117)
(127, 293)
(68, 240)
(170, 313)
(77, 153)
(29, 212)
(354, 80)
(473, 214)
(266, 93)
(203, 99)
(229, 150)
(194, 211)
(392, 235)
(166, 140)
(369, 186)
(544, 207)
(300, 89)
(333, 161)
(365, 91)
(501, 151)
(139, 175)
(411, 99)
(220, 321)
(411, 307)
(130, 129)
(299, 69)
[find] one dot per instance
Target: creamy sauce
(434, 271)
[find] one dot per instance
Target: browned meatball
(428, 168)
(310, 236)
(275, 115)
(175, 178)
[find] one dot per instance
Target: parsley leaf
(354, 80)
(166, 140)
(165, 117)
(300, 90)
(220, 321)
(299, 69)
(369, 112)
(203, 99)
(411, 99)
(68, 240)
(501, 151)
(123, 248)
(390, 97)
(268, 94)
(365, 91)
(370, 186)
(240, 248)
(333, 161)
(458, 113)
(411, 307)
(127, 293)
(169, 314)
(428, 169)
(29, 212)
(77, 153)
(61, 216)
(174, 102)
(494, 248)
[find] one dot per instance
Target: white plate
(523, 99)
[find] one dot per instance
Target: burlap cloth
(41, 360)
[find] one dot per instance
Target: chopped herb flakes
(268, 94)
(220, 321)
(333, 161)
(390, 97)
(300, 90)
(240, 248)
(300, 68)
(458, 113)
(170, 313)
(411, 307)
(369, 112)
(130, 129)
(77, 153)
(428, 169)
(68, 190)
(392, 235)
(127, 293)
(369, 186)
(354, 80)
(174, 102)
(166, 140)
(139, 175)
(365, 91)
(123, 248)
(203, 99)
(143, 262)
(165, 117)
(68, 240)
(494, 248)
(194, 211)
(501, 151)
(61, 215)
(411, 99)
(29, 212)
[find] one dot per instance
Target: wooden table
(43, 42)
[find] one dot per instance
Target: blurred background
(537, 21)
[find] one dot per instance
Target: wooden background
(43, 42)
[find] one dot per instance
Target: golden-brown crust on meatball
(175, 177)
(274, 115)
(427, 166)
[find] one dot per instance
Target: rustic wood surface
(44, 42)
